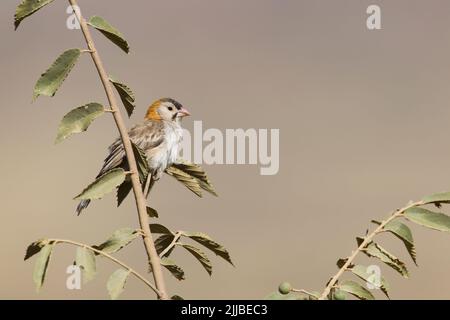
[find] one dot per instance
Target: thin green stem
(361, 247)
(110, 257)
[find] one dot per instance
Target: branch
(137, 189)
(172, 244)
(361, 247)
(110, 257)
(304, 292)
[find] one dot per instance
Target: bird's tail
(82, 205)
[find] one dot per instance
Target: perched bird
(159, 136)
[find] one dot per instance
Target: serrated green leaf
(175, 270)
(375, 250)
(110, 32)
(126, 95)
(159, 228)
(142, 163)
(51, 80)
(41, 265)
(362, 272)
(209, 243)
(195, 171)
(200, 256)
(189, 182)
(116, 283)
(27, 8)
(34, 248)
(357, 290)
(119, 239)
(401, 231)
(123, 190)
(429, 219)
(103, 185)
(437, 198)
(152, 213)
(163, 242)
(78, 120)
(85, 259)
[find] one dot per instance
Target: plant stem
(305, 292)
(361, 247)
(137, 189)
(110, 257)
(172, 244)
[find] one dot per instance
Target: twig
(361, 247)
(172, 244)
(137, 189)
(110, 257)
(304, 291)
(147, 185)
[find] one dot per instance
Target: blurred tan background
(364, 128)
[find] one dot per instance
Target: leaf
(176, 297)
(41, 264)
(103, 185)
(401, 231)
(27, 8)
(190, 182)
(85, 259)
(175, 270)
(51, 80)
(116, 283)
(429, 219)
(200, 256)
(195, 171)
(159, 228)
(163, 242)
(206, 241)
(357, 290)
(362, 272)
(123, 190)
(78, 120)
(34, 248)
(437, 198)
(119, 239)
(126, 95)
(374, 250)
(340, 263)
(142, 163)
(152, 213)
(110, 32)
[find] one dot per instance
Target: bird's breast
(167, 152)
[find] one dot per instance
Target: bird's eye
(170, 108)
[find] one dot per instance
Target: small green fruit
(285, 288)
(339, 295)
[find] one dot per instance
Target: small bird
(159, 136)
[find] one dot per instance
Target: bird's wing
(146, 136)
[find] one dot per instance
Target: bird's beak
(183, 112)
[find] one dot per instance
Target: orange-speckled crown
(152, 111)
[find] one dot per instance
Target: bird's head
(166, 109)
